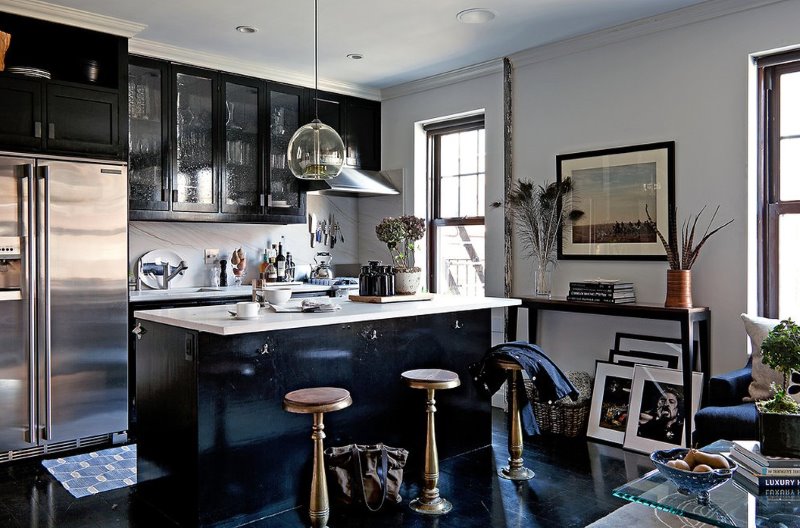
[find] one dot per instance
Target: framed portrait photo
(608, 413)
(657, 418)
(635, 357)
(616, 189)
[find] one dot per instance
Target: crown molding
(225, 63)
(72, 17)
(638, 28)
(645, 26)
(475, 71)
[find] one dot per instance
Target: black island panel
(216, 446)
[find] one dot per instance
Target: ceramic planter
(406, 282)
(779, 434)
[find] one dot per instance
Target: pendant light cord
(316, 73)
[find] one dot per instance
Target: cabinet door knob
(458, 325)
(139, 331)
(37, 129)
(51, 130)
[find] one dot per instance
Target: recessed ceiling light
(355, 56)
(246, 29)
(478, 15)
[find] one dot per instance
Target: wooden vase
(679, 289)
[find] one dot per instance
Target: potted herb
(399, 235)
(539, 211)
(681, 257)
(779, 417)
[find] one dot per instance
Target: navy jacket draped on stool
(551, 384)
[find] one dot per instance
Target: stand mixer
(323, 268)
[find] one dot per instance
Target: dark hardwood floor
(572, 488)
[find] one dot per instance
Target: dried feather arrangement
(683, 256)
(539, 211)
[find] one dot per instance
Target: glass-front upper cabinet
(147, 122)
(194, 185)
(242, 184)
(285, 105)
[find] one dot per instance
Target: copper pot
(679, 289)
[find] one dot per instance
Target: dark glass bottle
(223, 273)
(280, 264)
(374, 277)
(364, 281)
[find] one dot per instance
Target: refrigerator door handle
(30, 283)
(44, 295)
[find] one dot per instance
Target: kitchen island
(214, 444)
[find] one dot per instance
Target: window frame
(434, 133)
(770, 206)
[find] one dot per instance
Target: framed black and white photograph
(665, 346)
(631, 358)
(657, 418)
(608, 413)
(616, 189)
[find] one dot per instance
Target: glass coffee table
(732, 505)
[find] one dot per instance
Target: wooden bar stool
(515, 470)
(431, 379)
(317, 401)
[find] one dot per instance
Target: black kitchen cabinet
(149, 183)
(242, 183)
(194, 160)
(362, 134)
(287, 109)
(75, 112)
(329, 107)
(21, 108)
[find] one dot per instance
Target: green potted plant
(779, 417)
(399, 235)
(539, 211)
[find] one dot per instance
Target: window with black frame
(457, 177)
(779, 186)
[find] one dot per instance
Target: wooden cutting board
(375, 299)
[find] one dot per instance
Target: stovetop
(346, 282)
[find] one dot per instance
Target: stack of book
(607, 291)
(761, 473)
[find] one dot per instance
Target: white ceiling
(401, 40)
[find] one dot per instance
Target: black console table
(687, 317)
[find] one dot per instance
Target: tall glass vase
(543, 279)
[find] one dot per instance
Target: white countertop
(210, 292)
(217, 320)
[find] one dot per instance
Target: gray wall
(689, 84)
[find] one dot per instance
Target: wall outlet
(211, 256)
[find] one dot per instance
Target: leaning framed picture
(608, 413)
(616, 189)
(635, 357)
(657, 418)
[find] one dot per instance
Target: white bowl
(277, 295)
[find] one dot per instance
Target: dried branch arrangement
(683, 256)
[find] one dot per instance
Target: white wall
(188, 239)
(688, 84)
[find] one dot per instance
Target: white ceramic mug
(247, 309)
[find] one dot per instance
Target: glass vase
(543, 279)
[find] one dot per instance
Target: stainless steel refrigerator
(63, 304)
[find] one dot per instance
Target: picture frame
(636, 357)
(671, 346)
(656, 418)
(609, 409)
(616, 188)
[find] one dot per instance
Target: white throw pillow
(763, 376)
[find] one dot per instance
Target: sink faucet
(167, 276)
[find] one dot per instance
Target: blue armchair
(726, 417)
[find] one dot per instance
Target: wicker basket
(564, 417)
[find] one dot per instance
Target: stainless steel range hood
(355, 182)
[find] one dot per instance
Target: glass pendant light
(316, 152)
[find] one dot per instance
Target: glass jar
(388, 272)
(364, 281)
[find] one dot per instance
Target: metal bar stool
(431, 379)
(515, 470)
(317, 401)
